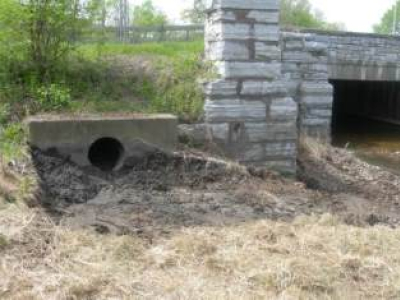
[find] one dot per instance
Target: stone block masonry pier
(275, 87)
(248, 110)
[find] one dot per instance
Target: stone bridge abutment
(276, 86)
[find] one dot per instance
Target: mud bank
(165, 192)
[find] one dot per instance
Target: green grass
(166, 49)
(98, 78)
(170, 87)
(12, 142)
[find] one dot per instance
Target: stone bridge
(276, 86)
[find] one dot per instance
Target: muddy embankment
(166, 192)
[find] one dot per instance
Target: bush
(177, 90)
(53, 98)
(12, 141)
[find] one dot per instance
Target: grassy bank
(148, 78)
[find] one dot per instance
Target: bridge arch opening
(366, 118)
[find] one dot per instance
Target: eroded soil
(166, 192)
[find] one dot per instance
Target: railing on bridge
(143, 34)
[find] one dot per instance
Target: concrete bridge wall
(273, 85)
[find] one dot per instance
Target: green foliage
(177, 91)
(196, 14)
(37, 36)
(299, 13)
(53, 26)
(385, 26)
(4, 113)
(53, 98)
(14, 41)
(12, 140)
(147, 14)
(165, 49)
(171, 86)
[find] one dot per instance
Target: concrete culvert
(106, 153)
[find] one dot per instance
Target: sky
(357, 15)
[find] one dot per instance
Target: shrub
(53, 98)
(12, 141)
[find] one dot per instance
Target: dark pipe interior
(106, 153)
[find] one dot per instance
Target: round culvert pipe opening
(106, 153)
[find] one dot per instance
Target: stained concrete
(72, 136)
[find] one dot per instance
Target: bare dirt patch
(166, 192)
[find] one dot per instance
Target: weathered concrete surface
(73, 136)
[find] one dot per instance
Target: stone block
(283, 109)
(317, 48)
(294, 45)
(263, 132)
(266, 32)
(262, 70)
(221, 88)
(315, 68)
(221, 16)
(219, 132)
(281, 149)
(235, 110)
(228, 50)
(263, 88)
(317, 101)
(228, 31)
(319, 88)
(298, 57)
(264, 51)
(315, 122)
(263, 16)
(241, 4)
(320, 113)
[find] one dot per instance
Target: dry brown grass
(313, 148)
(312, 258)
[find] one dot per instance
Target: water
(375, 142)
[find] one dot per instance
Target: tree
(388, 22)
(12, 37)
(147, 14)
(299, 13)
(53, 27)
(196, 14)
(36, 36)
